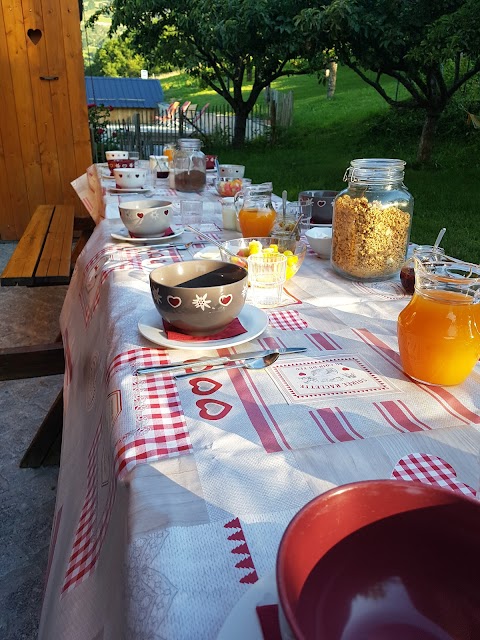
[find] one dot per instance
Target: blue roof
(123, 92)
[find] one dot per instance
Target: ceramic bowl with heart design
(116, 155)
(199, 297)
(383, 559)
(120, 163)
(130, 178)
(147, 218)
(322, 205)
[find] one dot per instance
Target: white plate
(254, 320)
(124, 235)
(242, 622)
(210, 252)
(130, 190)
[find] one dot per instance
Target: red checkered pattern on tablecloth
(92, 527)
(161, 427)
(287, 320)
(422, 467)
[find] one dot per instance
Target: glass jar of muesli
(371, 220)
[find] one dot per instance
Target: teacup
(130, 178)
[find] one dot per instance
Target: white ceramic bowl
(146, 218)
(231, 170)
(130, 178)
(116, 155)
(320, 240)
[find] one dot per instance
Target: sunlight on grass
(327, 134)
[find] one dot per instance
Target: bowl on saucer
(199, 297)
(146, 218)
(130, 178)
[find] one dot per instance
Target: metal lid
(375, 170)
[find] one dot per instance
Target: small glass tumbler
(135, 156)
(191, 212)
(296, 220)
(267, 273)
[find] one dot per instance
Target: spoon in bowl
(238, 259)
(254, 363)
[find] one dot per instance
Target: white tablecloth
(173, 495)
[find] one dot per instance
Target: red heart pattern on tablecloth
(422, 467)
(213, 409)
(226, 300)
(174, 301)
(204, 386)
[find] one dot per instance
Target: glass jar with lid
(372, 220)
(189, 165)
(426, 253)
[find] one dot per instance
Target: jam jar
(425, 253)
(371, 220)
(189, 165)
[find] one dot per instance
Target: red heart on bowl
(226, 300)
(174, 301)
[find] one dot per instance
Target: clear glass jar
(426, 253)
(189, 166)
(372, 220)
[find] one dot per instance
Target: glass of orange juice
(439, 330)
(256, 215)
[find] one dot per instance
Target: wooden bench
(44, 257)
(43, 254)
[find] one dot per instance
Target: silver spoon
(238, 259)
(256, 363)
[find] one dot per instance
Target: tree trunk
(426, 139)
(331, 79)
(241, 116)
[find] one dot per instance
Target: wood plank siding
(44, 135)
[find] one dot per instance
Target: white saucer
(130, 190)
(242, 621)
(125, 236)
(254, 320)
(210, 252)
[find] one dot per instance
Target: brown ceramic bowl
(383, 560)
(199, 297)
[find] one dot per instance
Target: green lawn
(357, 123)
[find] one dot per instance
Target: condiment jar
(189, 166)
(425, 253)
(439, 329)
(371, 220)
(256, 215)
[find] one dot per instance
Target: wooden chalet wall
(44, 135)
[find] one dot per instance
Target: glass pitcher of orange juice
(255, 212)
(439, 330)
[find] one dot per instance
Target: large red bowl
(382, 560)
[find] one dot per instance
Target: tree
(431, 48)
(117, 58)
(217, 41)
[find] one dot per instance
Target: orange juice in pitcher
(256, 215)
(439, 330)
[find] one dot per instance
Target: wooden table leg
(45, 446)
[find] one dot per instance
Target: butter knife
(174, 366)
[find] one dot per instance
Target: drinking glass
(135, 156)
(266, 276)
(191, 212)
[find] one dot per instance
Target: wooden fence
(148, 136)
